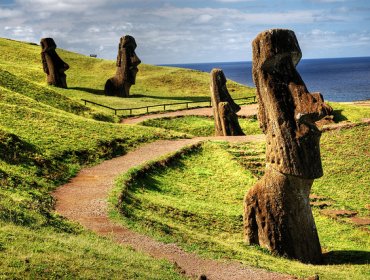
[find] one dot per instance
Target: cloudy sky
(183, 31)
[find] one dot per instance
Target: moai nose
(135, 60)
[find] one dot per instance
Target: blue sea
(338, 79)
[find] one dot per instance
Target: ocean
(338, 79)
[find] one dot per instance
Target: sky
(170, 32)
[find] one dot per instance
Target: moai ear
(44, 63)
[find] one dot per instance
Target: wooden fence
(164, 106)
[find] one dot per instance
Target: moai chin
(224, 107)
(127, 62)
(53, 65)
(277, 213)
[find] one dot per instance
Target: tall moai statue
(53, 65)
(277, 212)
(224, 107)
(127, 62)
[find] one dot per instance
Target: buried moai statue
(53, 65)
(277, 212)
(127, 62)
(224, 107)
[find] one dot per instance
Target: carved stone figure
(127, 62)
(224, 107)
(277, 213)
(53, 65)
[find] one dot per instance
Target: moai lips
(277, 214)
(224, 107)
(52, 64)
(127, 62)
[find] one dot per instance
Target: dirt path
(84, 199)
(245, 111)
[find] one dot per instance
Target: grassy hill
(47, 135)
(87, 76)
(45, 138)
(198, 205)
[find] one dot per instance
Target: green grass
(345, 156)
(87, 76)
(349, 112)
(197, 203)
(45, 254)
(46, 137)
(200, 126)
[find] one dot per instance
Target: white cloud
(9, 13)
(168, 33)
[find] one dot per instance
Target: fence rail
(130, 110)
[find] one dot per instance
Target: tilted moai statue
(53, 65)
(224, 107)
(277, 212)
(127, 62)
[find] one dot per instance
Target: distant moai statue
(224, 107)
(277, 212)
(53, 65)
(127, 62)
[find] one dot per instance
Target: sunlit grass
(197, 203)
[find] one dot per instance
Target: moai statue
(277, 212)
(53, 65)
(224, 107)
(127, 62)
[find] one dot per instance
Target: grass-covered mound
(200, 126)
(45, 138)
(197, 203)
(87, 76)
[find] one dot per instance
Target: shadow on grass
(338, 117)
(346, 257)
(89, 90)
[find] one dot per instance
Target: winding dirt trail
(245, 111)
(84, 200)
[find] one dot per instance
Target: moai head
(219, 89)
(52, 64)
(127, 60)
(224, 107)
(287, 111)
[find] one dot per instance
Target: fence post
(115, 111)
(130, 111)
(85, 102)
(164, 107)
(147, 109)
(187, 105)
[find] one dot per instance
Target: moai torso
(52, 64)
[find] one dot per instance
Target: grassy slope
(199, 205)
(87, 76)
(200, 126)
(45, 138)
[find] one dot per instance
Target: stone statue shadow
(89, 90)
(346, 257)
(338, 117)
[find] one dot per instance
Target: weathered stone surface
(224, 107)
(52, 64)
(277, 212)
(127, 62)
